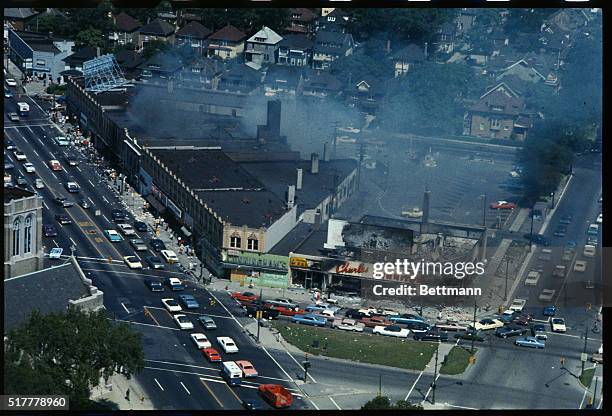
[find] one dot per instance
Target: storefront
(328, 274)
(260, 270)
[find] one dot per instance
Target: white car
(518, 305)
(388, 312)
(20, 156)
(61, 141)
(348, 324)
(228, 345)
(487, 324)
(182, 321)
(200, 340)
(169, 256)
(532, 278)
(546, 295)
(126, 229)
(29, 168)
(171, 305)
(11, 82)
(392, 331)
(132, 262)
(558, 325)
(589, 250)
(580, 266)
(599, 219)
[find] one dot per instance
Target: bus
(24, 109)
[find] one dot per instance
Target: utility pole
(595, 393)
(379, 385)
(531, 230)
(259, 312)
(361, 156)
(506, 287)
(585, 347)
(474, 326)
(335, 139)
(433, 391)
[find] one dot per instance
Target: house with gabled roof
(226, 43)
(321, 85)
(19, 17)
(445, 39)
(157, 29)
(366, 93)
(406, 58)
(301, 20)
(330, 46)
(126, 29)
(295, 50)
(262, 46)
(282, 80)
(194, 34)
(499, 113)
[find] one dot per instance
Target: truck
(24, 109)
(232, 373)
(276, 395)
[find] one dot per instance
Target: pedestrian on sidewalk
(127, 395)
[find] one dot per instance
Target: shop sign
(352, 268)
(298, 262)
(270, 261)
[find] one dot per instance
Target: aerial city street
(303, 209)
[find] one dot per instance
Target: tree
(246, 19)
(356, 66)
(383, 402)
(526, 20)
(154, 47)
(89, 37)
(67, 353)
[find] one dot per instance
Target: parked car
(451, 326)
(189, 301)
(510, 331)
(182, 321)
(309, 319)
(154, 285)
(200, 340)
(207, 322)
(155, 262)
(49, 230)
(248, 296)
(355, 314)
(392, 331)
(212, 355)
(417, 326)
(431, 335)
(470, 335)
(502, 205)
(372, 321)
(406, 318)
(157, 244)
(348, 324)
(487, 324)
(530, 342)
(140, 226)
(266, 313)
(169, 256)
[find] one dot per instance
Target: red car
(502, 205)
(212, 355)
(244, 296)
(289, 311)
(523, 319)
(377, 320)
(247, 368)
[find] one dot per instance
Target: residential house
(168, 16)
(262, 46)
(295, 50)
(161, 66)
(226, 43)
(335, 21)
(567, 20)
(202, 73)
(498, 114)
(406, 58)
(32, 24)
(240, 78)
(445, 38)
(301, 20)
(321, 85)
(193, 34)
(522, 70)
(282, 80)
(366, 93)
(158, 29)
(126, 29)
(19, 17)
(37, 54)
(80, 56)
(465, 20)
(330, 46)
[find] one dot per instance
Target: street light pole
(259, 312)
(433, 396)
(586, 334)
(531, 231)
(474, 326)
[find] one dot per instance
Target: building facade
(37, 54)
(262, 46)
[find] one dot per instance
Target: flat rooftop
(304, 239)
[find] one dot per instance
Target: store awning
(157, 206)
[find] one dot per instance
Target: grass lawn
(587, 377)
(365, 348)
(456, 361)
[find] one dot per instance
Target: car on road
(113, 236)
(502, 205)
(174, 283)
(228, 345)
(132, 262)
(523, 319)
(182, 321)
(510, 331)
(589, 250)
(593, 240)
(138, 244)
(549, 310)
(580, 266)
(567, 255)
(518, 305)
(266, 313)
(348, 324)
(539, 331)
(546, 295)
(9, 145)
(470, 335)
(431, 335)
(599, 219)
(118, 215)
(63, 202)
(200, 340)
(418, 326)
(154, 285)
(251, 405)
(560, 231)
(56, 253)
(507, 316)
(207, 322)
(61, 141)
(13, 116)
(532, 278)
(593, 229)
(55, 165)
(391, 331)
(157, 244)
(285, 311)
(244, 296)
(49, 230)
(588, 284)
(29, 167)
(406, 318)
(155, 262)
(309, 319)
(189, 301)
(415, 212)
(566, 219)
(558, 325)
(8, 93)
(11, 82)
(126, 229)
(7, 164)
(212, 355)
(169, 256)
(21, 181)
(72, 187)
(538, 239)
(488, 324)
(282, 302)
(63, 219)
(532, 342)
(598, 356)
(140, 226)
(84, 204)
(20, 156)
(559, 271)
(248, 371)
(451, 326)
(71, 161)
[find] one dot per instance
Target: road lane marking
(334, 402)
(45, 204)
(209, 368)
(211, 393)
(54, 175)
(90, 200)
(105, 200)
(226, 310)
(77, 168)
(72, 241)
(429, 390)
(150, 315)
(34, 150)
(104, 216)
(126, 309)
(55, 242)
(186, 389)
(188, 312)
(158, 385)
(233, 393)
(92, 185)
(459, 407)
(412, 388)
(52, 156)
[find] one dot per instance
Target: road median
(457, 361)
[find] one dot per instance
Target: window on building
(481, 126)
(41, 62)
(16, 235)
(252, 242)
(495, 123)
(235, 241)
(28, 235)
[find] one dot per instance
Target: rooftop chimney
(97, 52)
(300, 175)
(425, 49)
(325, 152)
(388, 45)
(290, 196)
(274, 119)
(314, 163)
(426, 199)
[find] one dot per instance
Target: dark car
(7, 164)
(154, 285)
(354, 314)
(267, 313)
(118, 215)
(207, 322)
(566, 219)
(431, 335)
(84, 204)
(471, 335)
(21, 181)
(416, 327)
(49, 230)
(63, 202)
(510, 331)
(140, 226)
(157, 244)
(9, 145)
(538, 239)
(155, 262)
(251, 405)
(71, 161)
(549, 311)
(523, 319)
(63, 219)
(560, 231)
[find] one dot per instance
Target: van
(593, 229)
(589, 251)
(232, 373)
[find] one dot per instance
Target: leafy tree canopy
(246, 19)
(383, 402)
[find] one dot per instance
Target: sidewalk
(116, 391)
